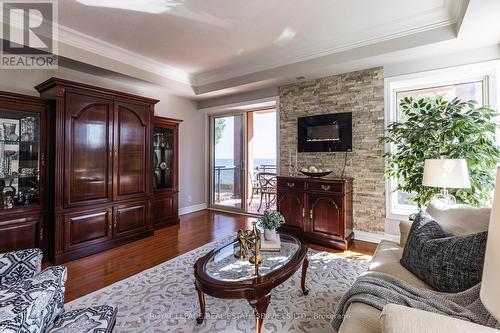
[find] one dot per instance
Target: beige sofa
(460, 220)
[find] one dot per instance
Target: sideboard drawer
(328, 187)
(291, 184)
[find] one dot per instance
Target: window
(467, 83)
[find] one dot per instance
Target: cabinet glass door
(163, 158)
(19, 158)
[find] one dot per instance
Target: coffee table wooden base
(260, 309)
(201, 299)
(259, 305)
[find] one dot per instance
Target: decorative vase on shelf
(269, 234)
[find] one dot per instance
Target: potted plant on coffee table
(270, 221)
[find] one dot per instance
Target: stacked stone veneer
(361, 93)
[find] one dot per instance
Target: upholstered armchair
(32, 300)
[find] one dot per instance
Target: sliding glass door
(227, 174)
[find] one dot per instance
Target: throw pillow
(447, 263)
(19, 265)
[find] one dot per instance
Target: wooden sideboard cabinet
(102, 174)
(166, 172)
(318, 210)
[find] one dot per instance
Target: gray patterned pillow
(19, 265)
(447, 263)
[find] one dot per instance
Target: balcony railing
(226, 184)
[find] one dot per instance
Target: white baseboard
(192, 209)
(374, 238)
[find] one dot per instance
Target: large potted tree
(434, 128)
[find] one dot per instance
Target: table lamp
(446, 173)
(490, 286)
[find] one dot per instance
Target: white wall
(192, 130)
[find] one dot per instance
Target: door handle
(303, 212)
(115, 222)
(311, 214)
(325, 187)
(40, 235)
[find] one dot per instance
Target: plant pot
(269, 235)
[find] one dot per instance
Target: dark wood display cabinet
(165, 172)
(317, 209)
(103, 186)
(23, 172)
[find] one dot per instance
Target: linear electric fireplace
(325, 133)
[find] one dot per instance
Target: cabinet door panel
(86, 228)
(163, 209)
(88, 171)
(19, 234)
(326, 214)
(290, 205)
(132, 158)
(130, 218)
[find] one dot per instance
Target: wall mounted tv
(325, 133)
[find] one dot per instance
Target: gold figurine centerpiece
(249, 240)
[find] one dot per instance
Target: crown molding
(451, 8)
(450, 14)
(76, 39)
(83, 41)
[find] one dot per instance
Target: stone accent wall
(361, 93)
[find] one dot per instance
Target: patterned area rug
(163, 298)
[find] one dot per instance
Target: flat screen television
(325, 133)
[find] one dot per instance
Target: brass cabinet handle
(311, 214)
(115, 222)
(42, 160)
(40, 235)
(325, 187)
(290, 184)
(303, 212)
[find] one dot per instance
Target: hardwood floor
(97, 271)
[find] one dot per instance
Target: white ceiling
(212, 47)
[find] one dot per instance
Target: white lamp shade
(446, 173)
(490, 286)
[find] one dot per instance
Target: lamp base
(445, 198)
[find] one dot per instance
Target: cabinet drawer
(86, 228)
(291, 184)
(326, 187)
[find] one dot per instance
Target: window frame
(487, 72)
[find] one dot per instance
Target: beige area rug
(163, 298)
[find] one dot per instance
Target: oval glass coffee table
(220, 274)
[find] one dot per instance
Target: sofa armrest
(20, 265)
(95, 319)
(404, 230)
(32, 304)
(402, 319)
